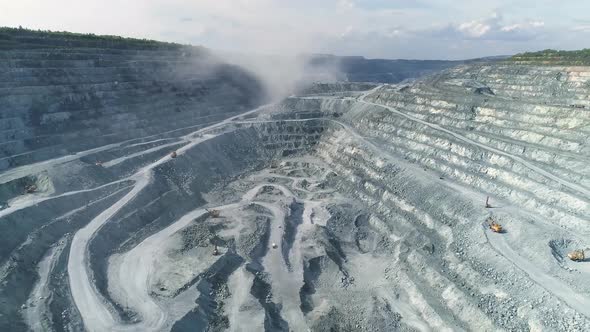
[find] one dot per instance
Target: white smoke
(283, 75)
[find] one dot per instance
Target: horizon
(253, 53)
(375, 29)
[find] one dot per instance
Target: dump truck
(577, 255)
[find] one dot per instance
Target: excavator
(494, 226)
(30, 189)
(214, 213)
(577, 255)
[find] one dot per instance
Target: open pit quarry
(346, 207)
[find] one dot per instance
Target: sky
(392, 29)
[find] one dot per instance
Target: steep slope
(65, 99)
(91, 103)
(424, 158)
(338, 210)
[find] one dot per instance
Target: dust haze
(281, 75)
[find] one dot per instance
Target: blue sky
(419, 29)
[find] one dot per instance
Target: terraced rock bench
(522, 141)
(142, 191)
(75, 102)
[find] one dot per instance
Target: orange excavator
(494, 226)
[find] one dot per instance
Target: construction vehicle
(214, 213)
(173, 154)
(215, 251)
(98, 163)
(274, 245)
(30, 189)
(494, 226)
(577, 255)
(488, 205)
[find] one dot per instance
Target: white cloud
(347, 32)
(346, 4)
(495, 27)
(376, 28)
(523, 26)
(393, 33)
(582, 28)
(474, 28)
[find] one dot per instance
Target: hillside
(87, 91)
(20, 38)
(554, 57)
(144, 188)
(360, 69)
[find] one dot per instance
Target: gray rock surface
(348, 208)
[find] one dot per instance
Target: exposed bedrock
(61, 101)
(335, 211)
(180, 185)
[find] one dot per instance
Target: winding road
(96, 313)
(99, 316)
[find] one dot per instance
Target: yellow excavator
(494, 226)
(577, 255)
